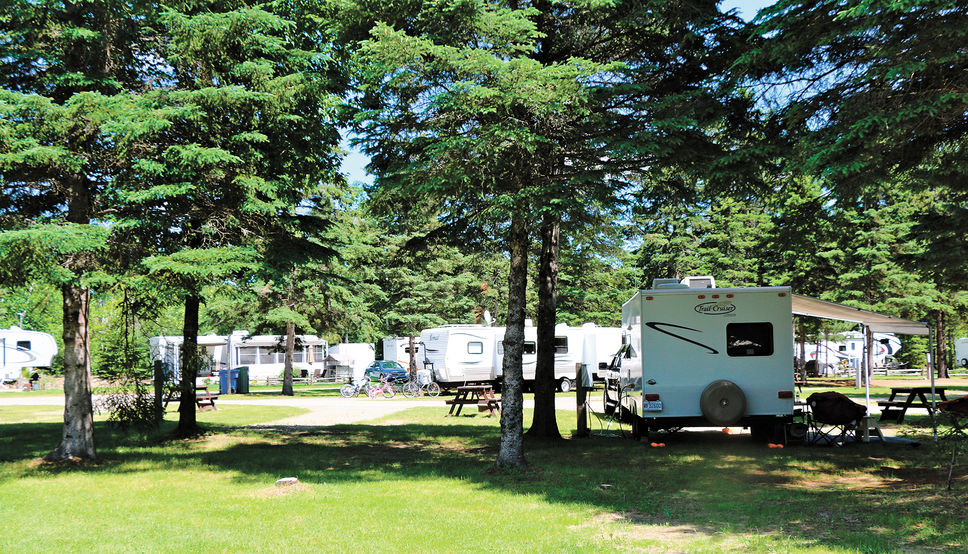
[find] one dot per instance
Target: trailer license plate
(653, 406)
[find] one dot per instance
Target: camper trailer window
(247, 355)
(530, 347)
(23, 345)
(475, 347)
(561, 345)
(749, 339)
(266, 355)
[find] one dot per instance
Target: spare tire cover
(722, 402)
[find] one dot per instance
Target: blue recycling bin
(227, 378)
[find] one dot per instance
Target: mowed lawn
(417, 481)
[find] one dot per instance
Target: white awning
(878, 323)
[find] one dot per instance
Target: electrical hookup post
(584, 385)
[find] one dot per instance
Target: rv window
(23, 345)
(749, 339)
(561, 345)
(529, 348)
(247, 355)
(475, 347)
(266, 355)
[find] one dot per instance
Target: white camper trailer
(589, 344)
(961, 352)
(262, 354)
(397, 349)
(21, 349)
(710, 356)
(459, 354)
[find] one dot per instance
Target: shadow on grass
(871, 497)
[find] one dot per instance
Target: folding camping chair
(832, 419)
(955, 414)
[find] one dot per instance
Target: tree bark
(544, 423)
(187, 421)
(413, 358)
(939, 346)
(287, 365)
(511, 452)
(77, 441)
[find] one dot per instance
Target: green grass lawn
(418, 481)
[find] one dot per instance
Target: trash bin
(223, 382)
(242, 382)
(227, 377)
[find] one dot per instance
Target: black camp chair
(833, 419)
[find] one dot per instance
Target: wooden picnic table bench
(894, 410)
(482, 395)
(204, 399)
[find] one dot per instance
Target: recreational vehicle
(961, 352)
(709, 356)
(397, 349)
(829, 355)
(264, 355)
(21, 349)
(356, 355)
(721, 356)
(459, 354)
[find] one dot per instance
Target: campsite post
(582, 431)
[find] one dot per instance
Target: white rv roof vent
(663, 283)
(703, 282)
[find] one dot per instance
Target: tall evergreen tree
(67, 70)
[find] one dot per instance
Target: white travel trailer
(961, 352)
(710, 356)
(589, 344)
(21, 349)
(829, 354)
(262, 354)
(721, 356)
(460, 354)
(356, 355)
(397, 349)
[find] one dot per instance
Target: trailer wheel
(565, 385)
(964, 362)
(722, 402)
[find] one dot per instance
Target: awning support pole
(931, 347)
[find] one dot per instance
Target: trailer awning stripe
(879, 323)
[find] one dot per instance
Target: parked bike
(349, 390)
(420, 386)
(385, 388)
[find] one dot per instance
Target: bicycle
(385, 388)
(351, 389)
(414, 388)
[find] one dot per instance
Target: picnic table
(482, 395)
(894, 410)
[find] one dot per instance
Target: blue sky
(355, 162)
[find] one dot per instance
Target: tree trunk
(545, 424)
(187, 421)
(939, 346)
(511, 453)
(77, 441)
(413, 357)
(287, 365)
